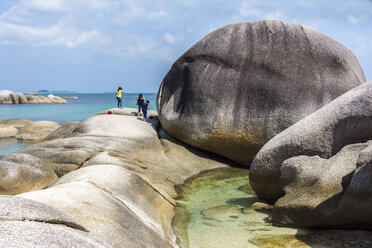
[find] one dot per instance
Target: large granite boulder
(246, 82)
(327, 193)
(22, 172)
(346, 120)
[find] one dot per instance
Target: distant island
(44, 91)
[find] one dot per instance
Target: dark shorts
(144, 113)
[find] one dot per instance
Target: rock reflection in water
(219, 209)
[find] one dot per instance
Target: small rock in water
(222, 213)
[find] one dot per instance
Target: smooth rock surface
(21, 209)
(16, 122)
(7, 131)
(63, 131)
(246, 82)
(21, 173)
(16, 234)
(38, 130)
(346, 120)
(101, 213)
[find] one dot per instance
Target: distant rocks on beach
(70, 97)
(10, 97)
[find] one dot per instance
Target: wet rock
(257, 206)
(215, 97)
(346, 120)
(222, 213)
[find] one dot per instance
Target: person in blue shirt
(145, 107)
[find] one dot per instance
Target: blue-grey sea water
(79, 109)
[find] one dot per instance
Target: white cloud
(170, 38)
(352, 19)
(158, 15)
(55, 35)
(251, 9)
(56, 5)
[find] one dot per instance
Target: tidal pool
(219, 209)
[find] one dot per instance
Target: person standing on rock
(145, 107)
(140, 102)
(118, 96)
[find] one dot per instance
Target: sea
(85, 106)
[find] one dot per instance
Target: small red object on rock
(109, 112)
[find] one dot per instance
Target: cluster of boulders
(114, 178)
(252, 87)
(111, 179)
(10, 97)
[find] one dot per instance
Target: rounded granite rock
(346, 120)
(246, 82)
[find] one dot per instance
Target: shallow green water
(218, 209)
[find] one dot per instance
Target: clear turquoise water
(79, 109)
(75, 110)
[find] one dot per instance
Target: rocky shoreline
(10, 97)
(120, 169)
(300, 110)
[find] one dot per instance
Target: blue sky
(97, 45)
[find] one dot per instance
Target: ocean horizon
(79, 109)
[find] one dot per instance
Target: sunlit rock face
(246, 82)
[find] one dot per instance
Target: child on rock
(145, 107)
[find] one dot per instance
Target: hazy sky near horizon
(97, 45)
